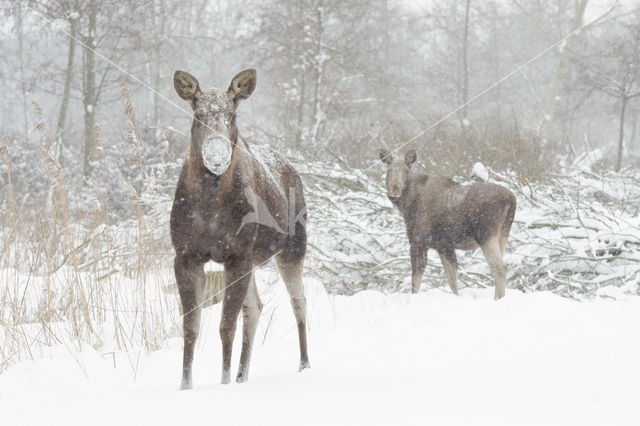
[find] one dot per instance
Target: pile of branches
(577, 234)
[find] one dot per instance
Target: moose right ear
(242, 85)
(385, 156)
(410, 157)
(186, 85)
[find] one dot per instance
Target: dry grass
(73, 278)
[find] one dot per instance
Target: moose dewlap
(445, 215)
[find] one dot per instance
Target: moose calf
(445, 215)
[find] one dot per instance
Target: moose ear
(242, 85)
(186, 85)
(410, 157)
(385, 156)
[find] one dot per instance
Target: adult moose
(221, 182)
(442, 214)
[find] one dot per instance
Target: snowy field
(431, 358)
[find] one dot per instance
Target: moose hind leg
(251, 309)
(506, 225)
(291, 272)
(492, 251)
(190, 279)
(238, 277)
(450, 263)
(503, 244)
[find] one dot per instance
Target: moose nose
(396, 190)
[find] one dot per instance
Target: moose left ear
(242, 85)
(186, 85)
(385, 156)
(410, 157)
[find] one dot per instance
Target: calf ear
(242, 85)
(410, 157)
(385, 156)
(186, 85)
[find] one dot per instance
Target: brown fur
(444, 215)
(206, 221)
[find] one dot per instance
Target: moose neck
(406, 203)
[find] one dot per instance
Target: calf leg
(238, 276)
(450, 263)
(291, 272)
(418, 263)
(503, 244)
(190, 279)
(492, 251)
(251, 309)
(509, 213)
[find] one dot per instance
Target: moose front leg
(190, 279)
(418, 263)
(251, 309)
(238, 277)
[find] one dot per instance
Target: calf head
(397, 171)
(214, 133)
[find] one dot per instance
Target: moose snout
(395, 190)
(212, 161)
(216, 154)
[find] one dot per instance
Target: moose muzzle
(216, 154)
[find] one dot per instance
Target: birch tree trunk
(318, 114)
(465, 64)
(23, 82)
(301, 87)
(562, 51)
(66, 94)
(623, 110)
(89, 95)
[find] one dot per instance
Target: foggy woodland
(337, 80)
(93, 134)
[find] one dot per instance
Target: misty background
(337, 80)
(94, 135)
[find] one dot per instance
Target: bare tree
(69, 11)
(555, 19)
(613, 68)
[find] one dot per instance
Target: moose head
(214, 133)
(397, 171)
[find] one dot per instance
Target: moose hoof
(186, 385)
(241, 378)
(304, 365)
(226, 378)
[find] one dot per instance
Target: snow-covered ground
(431, 358)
